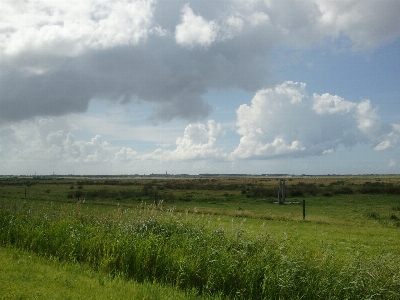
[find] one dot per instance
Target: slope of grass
(24, 275)
(191, 254)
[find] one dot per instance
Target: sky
(110, 87)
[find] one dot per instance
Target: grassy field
(219, 237)
(24, 275)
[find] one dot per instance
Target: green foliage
(192, 241)
(373, 215)
(327, 194)
(165, 247)
(24, 275)
(379, 188)
(259, 191)
(344, 190)
(301, 188)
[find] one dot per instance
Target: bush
(345, 190)
(379, 188)
(260, 192)
(296, 193)
(303, 188)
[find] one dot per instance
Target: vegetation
(216, 237)
(24, 275)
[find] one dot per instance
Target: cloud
(280, 122)
(367, 24)
(328, 104)
(286, 121)
(126, 155)
(50, 141)
(57, 56)
(53, 143)
(392, 163)
(194, 30)
(73, 27)
(198, 142)
(389, 140)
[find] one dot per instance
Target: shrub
(346, 190)
(260, 192)
(296, 193)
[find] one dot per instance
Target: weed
(373, 215)
(396, 208)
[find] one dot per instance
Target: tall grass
(26, 276)
(165, 247)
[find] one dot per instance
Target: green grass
(24, 275)
(191, 254)
(218, 237)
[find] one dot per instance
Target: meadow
(216, 237)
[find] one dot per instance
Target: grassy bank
(168, 247)
(24, 275)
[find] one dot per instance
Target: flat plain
(218, 236)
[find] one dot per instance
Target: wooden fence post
(281, 191)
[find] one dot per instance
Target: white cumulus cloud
(198, 142)
(194, 30)
(51, 142)
(126, 155)
(57, 56)
(367, 23)
(71, 27)
(328, 104)
(285, 121)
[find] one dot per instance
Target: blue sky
(250, 86)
